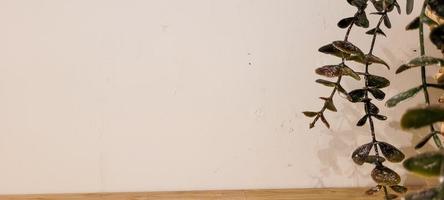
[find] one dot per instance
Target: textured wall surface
(144, 95)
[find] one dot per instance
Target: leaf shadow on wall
(345, 139)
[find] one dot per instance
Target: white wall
(132, 95)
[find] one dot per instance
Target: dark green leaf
(362, 121)
(361, 4)
(402, 96)
(330, 49)
(373, 159)
(419, 117)
(344, 23)
(426, 60)
(380, 117)
(426, 164)
(399, 189)
(426, 20)
(324, 121)
(420, 61)
(377, 93)
(361, 153)
(377, 81)
(372, 109)
(362, 20)
(390, 152)
(387, 22)
(409, 6)
(357, 95)
(437, 36)
(424, 140)
(330, 105)
(437, 7)
(374, 190)
(398, 8)
(343, 93)
(329, 71)
(391, 196)
(370, 59)
(413, 24)
(326, 83)
(375, 31)
(347, 71)
(429, 194)
(347, 47)
(378, 5)
(385, 176)
(310, 113)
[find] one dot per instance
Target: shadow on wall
(344, 142)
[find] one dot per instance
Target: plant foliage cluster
(377, 152)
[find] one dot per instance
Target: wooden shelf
(281, 194)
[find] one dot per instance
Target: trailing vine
(382, 175)
(427, 163)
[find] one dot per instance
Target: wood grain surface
(281, 194)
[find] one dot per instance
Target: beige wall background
(133, 95)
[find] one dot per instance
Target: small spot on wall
(250, 62)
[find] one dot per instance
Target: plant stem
(367, 102)
(436, 139)
(338, 81)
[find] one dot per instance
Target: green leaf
(413, 24)
(330, 49)
(362, 121)
(385, 176)
(437, 7)
(377, 93)
(347, 71)
(425, 139)
(344, 23)
(374, 190)
(377, 81)
(373, 159)
(337, 70)
(409, 6)
(387, 22)
(361, 153)
(425, 164)
(347, 47)
(398, 7)
(378, 5)
(329, 71)
(310, 114)
(420, 61)
(391, 197)
(437, 36)
(380, 117)
(358, 3)
(342, 92)
(357, 95)
(372, 109)
(419, 117)
(324, 120)
(370, 59)
(362, 20)
(399, 189)
(329, 104)
(375, 31)
(428, 194)
(402, 96)
(390, 152)
(326, 83)
(426, 20)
